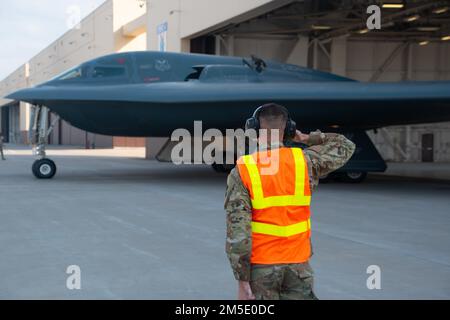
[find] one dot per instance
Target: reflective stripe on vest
(281, 231)
(298, 199)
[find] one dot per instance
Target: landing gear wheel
(221, 168)
(326, 178)
(354, 176)
(44, 169)
(225, 167)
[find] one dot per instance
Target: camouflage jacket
(326, 153)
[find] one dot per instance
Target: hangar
(412, 45)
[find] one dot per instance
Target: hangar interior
(412, 45)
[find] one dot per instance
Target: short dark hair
(274, 114)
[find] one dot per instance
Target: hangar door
(12, 115)
(5, 123)
(261, 35)
(428, 147)
(129, 142)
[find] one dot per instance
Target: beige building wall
(129, 25)
(15, 81)
(92, 39)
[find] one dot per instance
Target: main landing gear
(43, 168)
(346, 176)
(354, 176)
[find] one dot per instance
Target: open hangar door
(65, 134)
(332, 36)
(10, 123)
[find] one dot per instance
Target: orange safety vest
(278, 183)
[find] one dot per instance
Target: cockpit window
(110, 67)
(74, 73)
(108, 72)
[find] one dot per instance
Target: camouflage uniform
(1, 147)
(325, 153)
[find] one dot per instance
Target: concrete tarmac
(139, 229)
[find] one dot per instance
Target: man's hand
(301, 137)
(245, 291)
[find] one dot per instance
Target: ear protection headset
(253, 123)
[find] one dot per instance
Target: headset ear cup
(252, 123)
(291, 129)
(248, 123)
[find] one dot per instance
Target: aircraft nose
(23, 95)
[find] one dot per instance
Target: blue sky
(28, 26)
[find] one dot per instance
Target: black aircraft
(150, 94)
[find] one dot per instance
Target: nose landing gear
(43, 168)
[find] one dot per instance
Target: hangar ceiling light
(320, 27)
(445, 38)
(363, 31)
(440, 10)
(428, 28)
(424, 43)
(393, 5)
(412, 18)
(388, 25)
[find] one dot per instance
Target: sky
(29, 26)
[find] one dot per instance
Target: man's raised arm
(326, 153)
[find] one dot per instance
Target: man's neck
(263, 145)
